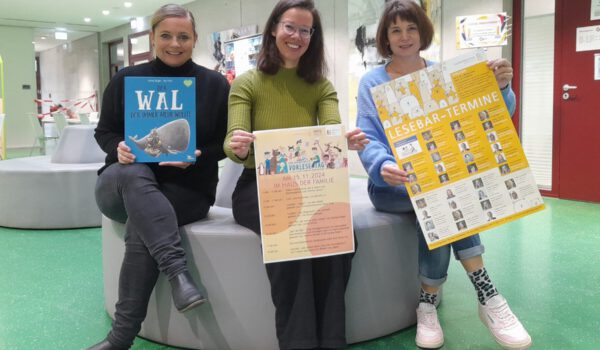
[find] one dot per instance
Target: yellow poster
(304, 200)
(450, 130)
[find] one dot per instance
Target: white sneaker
(503, 324)
(429, 331)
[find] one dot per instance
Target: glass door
(116, 58)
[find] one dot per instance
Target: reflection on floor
(546, 265)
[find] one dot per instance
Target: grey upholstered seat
(77, 145)
(39, 194)
(53, 192)
(381, 298)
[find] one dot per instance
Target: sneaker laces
(504, 315)
(429, 318)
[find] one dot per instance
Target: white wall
(215, 16)
(455, 8)
(18, 55)
(70, 71)
(212, 16)
(115, 34)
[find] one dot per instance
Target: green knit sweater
(259, 101)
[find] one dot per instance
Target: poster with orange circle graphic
(303, 192)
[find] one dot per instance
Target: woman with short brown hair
(404, 31)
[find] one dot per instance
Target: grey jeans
(152, 211)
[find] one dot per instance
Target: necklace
(395, 73)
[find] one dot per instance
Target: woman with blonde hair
(154, 199)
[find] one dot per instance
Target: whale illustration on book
(170, 138)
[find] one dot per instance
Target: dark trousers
(152, 213)
(308, 294)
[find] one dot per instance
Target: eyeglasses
(291, 29)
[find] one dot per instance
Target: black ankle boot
(186, 295)
(105, 345)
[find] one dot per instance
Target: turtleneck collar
(184, 69)
(288, 70)
(287, 73)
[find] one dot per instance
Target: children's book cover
(160, 118)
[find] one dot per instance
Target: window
(140, 50)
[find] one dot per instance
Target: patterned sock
(427, 297)
(483, 285)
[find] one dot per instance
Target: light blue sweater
(378, 151)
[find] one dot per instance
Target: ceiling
(47, 15)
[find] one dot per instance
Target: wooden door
(576, 172)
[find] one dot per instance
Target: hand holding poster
(304, 201)
(450, 130)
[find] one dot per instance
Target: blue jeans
(433, 264)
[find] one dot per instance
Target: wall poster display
(594, 10)
(597, 66)
(467, 169)
(587, 38)
(217, 45)
(303, 192)
(482, 30)
(241, 55)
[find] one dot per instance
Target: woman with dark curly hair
(289, 89)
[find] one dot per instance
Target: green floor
(546, 265)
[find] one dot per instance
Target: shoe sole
(514, 346)
(193, 305)
(429, 346)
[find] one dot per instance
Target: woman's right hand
(392, 175)
(240, 143)
(124, 155)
